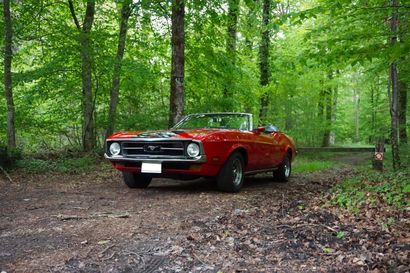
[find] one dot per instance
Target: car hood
(198, 134)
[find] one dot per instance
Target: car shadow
(201, 185)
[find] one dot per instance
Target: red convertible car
(223, 146)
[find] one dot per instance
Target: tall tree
(86, 72)
(233, 13)
(178, 62)
(264, 60)
(8, 84)
(403, 112)
(356, 95)
(403, 83)
(394, 104)
(332, 137)
(328, 117)
(115, 85)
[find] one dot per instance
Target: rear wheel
(282, 174)
(231, 175)
(136, 180)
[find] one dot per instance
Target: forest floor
(91, 222)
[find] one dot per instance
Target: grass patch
(305, 164)
(85, 163)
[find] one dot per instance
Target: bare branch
(6, 174)
(77, 24)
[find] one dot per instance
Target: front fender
(218, 152)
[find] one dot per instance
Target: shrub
(391, 188)
(62, 165)
(8, 157)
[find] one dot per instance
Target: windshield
(221, 121)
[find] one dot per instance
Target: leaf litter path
(91, 222)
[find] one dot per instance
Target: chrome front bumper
(151, 158)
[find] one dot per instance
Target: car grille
(138, 148)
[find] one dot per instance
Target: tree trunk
(328, 117)
(332, 138)
(177, 69)
(86, 73)
(115, 85)
(264, 60)
(8, 84)
(232, 23)
(394, 116)
(394, 106)
(374, 113)
(403, 86)
(231, 48)
(320, 105)
(249, 38)
(357, 115)
(402, 113)
(288, 114)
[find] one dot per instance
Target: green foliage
(340, 234)
(373, 189)
(63, 165)
(405, 155)
(309, 40)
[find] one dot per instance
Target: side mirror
(271, 129)
(259, 130)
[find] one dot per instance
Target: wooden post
(378, 155)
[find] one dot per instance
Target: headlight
(193, 149)
(115, 148)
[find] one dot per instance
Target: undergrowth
(80, 164)
(8, 157)
(372, 189)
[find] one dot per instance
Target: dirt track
(93, 223)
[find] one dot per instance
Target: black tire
(284, 171)
(136, 180)
(231, 175)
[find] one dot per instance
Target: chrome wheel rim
(287, 168)
(237, 172)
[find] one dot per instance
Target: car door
(264, 150)
(277, 143)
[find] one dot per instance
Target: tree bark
(320, 104)
(8, 83)
(249, 38)
(374, 113)
(357, 115)
(178, 61)
(332, 138)
(328, 116)
(394, 106)
(232, 24)
(403, 86)
(231, 47)
(115, 85)
(264, 60)
(86, 73)
(403, 112)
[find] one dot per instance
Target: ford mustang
(221, 146)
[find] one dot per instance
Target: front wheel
(231, 175)
(282, 174)
(136, 180)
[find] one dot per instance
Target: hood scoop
(164, 134)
